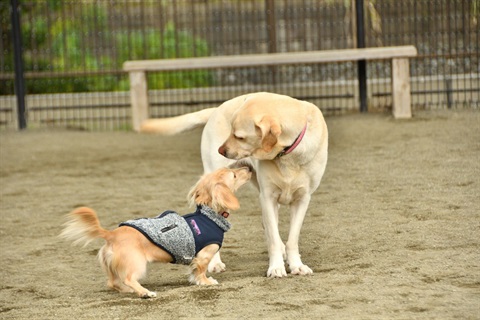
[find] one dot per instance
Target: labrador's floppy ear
(223, 198)
(270, 131)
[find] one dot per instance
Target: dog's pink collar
(297, 141)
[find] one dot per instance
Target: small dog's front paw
(217, 267)
(302, 270)
(212, 281)
(148, 295)
(206, 282)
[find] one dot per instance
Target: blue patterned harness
(183, 236)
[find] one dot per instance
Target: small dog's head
(216, 189)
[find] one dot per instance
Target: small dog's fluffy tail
(179, 124)
(83, 226)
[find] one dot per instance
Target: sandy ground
(393, 232)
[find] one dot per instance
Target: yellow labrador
(284, 140)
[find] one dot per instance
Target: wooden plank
(251, 60)
(139, 98)
(401, 89)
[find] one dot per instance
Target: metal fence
(73, 52)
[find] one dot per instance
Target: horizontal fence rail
(112, 110)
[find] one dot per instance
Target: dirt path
(393, 232)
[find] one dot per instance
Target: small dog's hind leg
(105, 257)
(142, 292)
(132, 268)
(117, 284)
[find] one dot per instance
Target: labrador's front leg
(276, 248)
(297, 215)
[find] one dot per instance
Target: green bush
(73, 50)
(152, 44)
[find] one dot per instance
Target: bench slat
(399, 56)
(250, 60)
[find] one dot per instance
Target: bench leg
(139, 98)
(401, 89)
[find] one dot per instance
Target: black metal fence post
(362, 64)
(18, 53)
(272, 33)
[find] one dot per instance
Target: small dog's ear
(224, 198)
(199, 194)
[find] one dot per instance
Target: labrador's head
(252, 135)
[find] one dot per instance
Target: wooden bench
(398, 55)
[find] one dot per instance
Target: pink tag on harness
(195, 227)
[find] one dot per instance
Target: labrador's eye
(234, 175)
(237, 137)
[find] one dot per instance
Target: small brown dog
(191, 239)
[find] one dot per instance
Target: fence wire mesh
(74, 51)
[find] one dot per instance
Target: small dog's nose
(222, 151)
